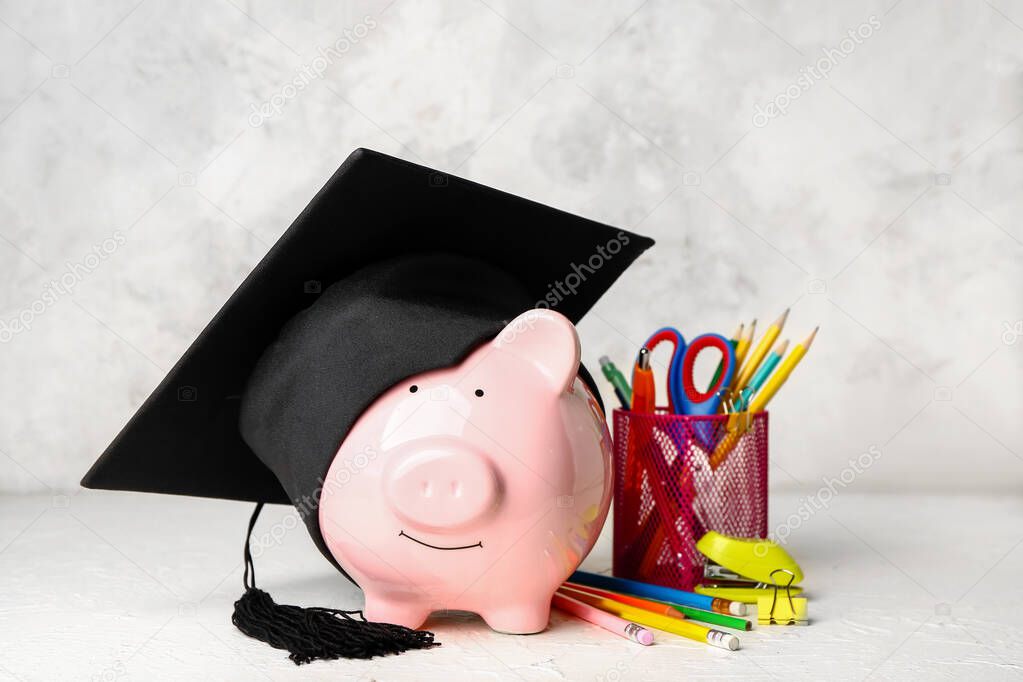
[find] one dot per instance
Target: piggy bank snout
(441, 487)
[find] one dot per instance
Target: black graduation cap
(393, 269)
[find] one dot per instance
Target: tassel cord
(316, 633)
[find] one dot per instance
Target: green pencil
(733, 342)
(711, 617)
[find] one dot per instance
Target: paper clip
(789, 611)
(739, 422)
(735, 406)
(728, 399)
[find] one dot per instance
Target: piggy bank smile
(446, 549)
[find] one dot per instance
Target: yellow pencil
(676, 626)
(740, 351)
(781, 374)
(760, 352)
(763, 396)
(737, 334)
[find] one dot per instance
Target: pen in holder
(677, 477)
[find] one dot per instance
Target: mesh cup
(667, 493)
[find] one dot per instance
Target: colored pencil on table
(712, 618)
(676, 626)
(608, 621)
(667, 608)
(659, 593)
(627, 599)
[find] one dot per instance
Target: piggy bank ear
(548, 341)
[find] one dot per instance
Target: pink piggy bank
(480, 487)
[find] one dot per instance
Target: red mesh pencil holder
(677, 477)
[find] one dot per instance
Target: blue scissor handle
(674, 337)
(692, 400)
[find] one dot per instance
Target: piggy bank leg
(524, 618)
(409, 613)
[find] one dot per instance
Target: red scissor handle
(700, 344)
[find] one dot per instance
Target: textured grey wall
(150, 153)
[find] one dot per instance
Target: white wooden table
(117, 586)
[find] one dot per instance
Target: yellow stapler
(748, 569)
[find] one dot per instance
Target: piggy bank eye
(479, 392)
(413, 388)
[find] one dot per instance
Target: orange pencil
(655, 606)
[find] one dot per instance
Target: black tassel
(312, 634)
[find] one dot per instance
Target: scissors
(683, 396)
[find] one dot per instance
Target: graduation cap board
(392, 270)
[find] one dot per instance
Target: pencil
(773, 358)
(680, 627)
(733, 342)
(628, 600)
(608, 621)
(757, 355)
(667, 608)
(781, 374)
(658, 592)
(712, 618)
(740, 351)
(763, 396)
